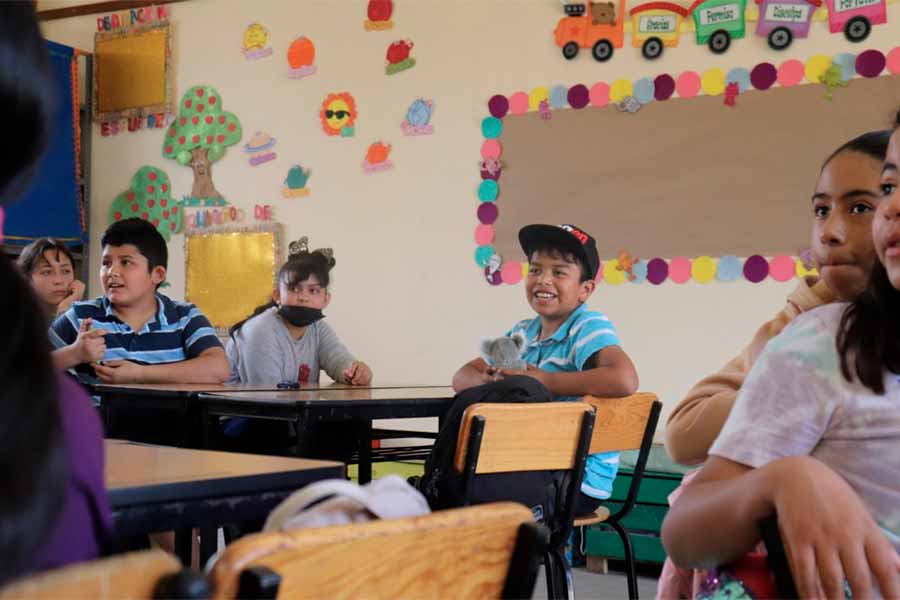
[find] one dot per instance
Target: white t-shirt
(796, 402)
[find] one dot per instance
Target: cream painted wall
(408, 297)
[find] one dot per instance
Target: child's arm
(210, 366)
(89, 345)
(612, 376)
(828, 532)
(473, 373)
(336, 360)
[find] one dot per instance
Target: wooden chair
(623, 424)
(511, 438)
(137, 575)
(489, 551)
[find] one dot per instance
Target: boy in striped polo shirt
(134, 334)
(573, 351)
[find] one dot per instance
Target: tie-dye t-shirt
(795, 402)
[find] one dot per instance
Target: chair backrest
(522, 437)
(135, 575)
(488, 551)
(623, 423)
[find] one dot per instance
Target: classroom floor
(592, 586)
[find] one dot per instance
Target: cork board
(684, 177)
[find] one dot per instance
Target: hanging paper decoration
(656, 25)
(379, 13)
(544, 110)
(300, 56)
(856, 17)
(338, 114)
(418, 118)
(398, 58)
(780, 21)
(295, 183)
(149, 197)
(490, 168)
(731, 93)
(626, 264)
(200, 135)
(718, 22)
(629, 104)
(377, 158)
(255, 39)
(258, 148)
(832, 79)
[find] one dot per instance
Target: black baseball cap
(569, 238)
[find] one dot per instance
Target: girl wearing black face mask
(287, 340)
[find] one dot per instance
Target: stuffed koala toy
(504, 352)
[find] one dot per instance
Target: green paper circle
(488, 190)
(483, 255)
(491, 127)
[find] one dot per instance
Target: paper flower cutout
(338, 114)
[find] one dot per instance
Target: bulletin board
(231, 272)
(131, 72)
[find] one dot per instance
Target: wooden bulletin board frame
(132, 72)
(693, 187)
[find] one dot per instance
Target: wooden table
(160, 488)
(358, 405)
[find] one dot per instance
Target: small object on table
(288, 385)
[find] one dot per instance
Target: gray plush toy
(504, 352)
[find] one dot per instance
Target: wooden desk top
(337, 396)
(192, 389)
(144, 473)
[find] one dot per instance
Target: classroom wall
(407, 295)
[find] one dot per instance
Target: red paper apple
(380, 10)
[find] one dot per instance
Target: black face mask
(300, 316)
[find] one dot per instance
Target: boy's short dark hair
(142, 235)
(33, 253)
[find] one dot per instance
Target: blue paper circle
(483, 255)
(488, 190)
(559, 97)
(741, 76)
(639, 270)
(847, 62)
(491, 127)
(644, 90)
(730, 268)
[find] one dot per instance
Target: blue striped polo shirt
(178, 332)
(582, 335)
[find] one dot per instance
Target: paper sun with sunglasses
(338, 114)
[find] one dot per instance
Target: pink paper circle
(782, 268)
(893, 61)
(498, 106)
(756, 268)
(579, 96)
(663, 87)
(511, 272)
(600, 94)
(490, 149)
(763, 76)
(484, 234)
(679, 269)
(688, 84)
(657, 271)
(487, 212)
(790, 73)
(870, 63)
(518, 103)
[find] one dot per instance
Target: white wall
(408, 297)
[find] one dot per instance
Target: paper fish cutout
(255, 39)
(418, 118)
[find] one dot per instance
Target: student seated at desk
(134, 334)
(50, 266)
(54, 509)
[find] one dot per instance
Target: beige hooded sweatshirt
(697, 420)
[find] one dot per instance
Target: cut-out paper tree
(149, 197)
(199, 136)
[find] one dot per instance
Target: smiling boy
(573, 351)
(139, 335)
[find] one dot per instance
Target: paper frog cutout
(832, 79)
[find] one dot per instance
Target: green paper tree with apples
(149, 197)
(199, 136)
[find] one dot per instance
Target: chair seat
(598, 516)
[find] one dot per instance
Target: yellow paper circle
(525, 266)
(619, 89)
(611, 273)
(536, 96)
(815, 68)
(713, 81)
(703, 269)
(803, 271)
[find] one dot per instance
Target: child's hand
(359, 373)
(829, 534)
(89, 346)
(76, 293)
(491, 375)
(119, 371)
(528, 371)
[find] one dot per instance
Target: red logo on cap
(579, 235)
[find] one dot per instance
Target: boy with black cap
(573, 351)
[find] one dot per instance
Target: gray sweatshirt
(263, 352)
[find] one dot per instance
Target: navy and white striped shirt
(178, 332)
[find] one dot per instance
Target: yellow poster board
(229, 273)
